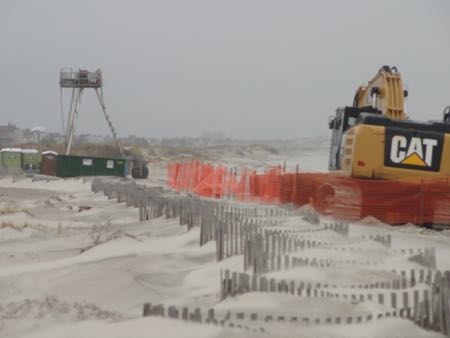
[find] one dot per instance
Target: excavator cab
(344, 119)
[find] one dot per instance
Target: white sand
(45, 225)
(135, 328)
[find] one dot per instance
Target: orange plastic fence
(390, 201)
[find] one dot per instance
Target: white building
(10, 135)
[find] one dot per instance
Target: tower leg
(113, 131)
(69, 117)
(62, 111)
(73, 119)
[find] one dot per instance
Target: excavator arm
(384, 93)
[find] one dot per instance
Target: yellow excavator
(375, 139)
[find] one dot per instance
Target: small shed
(11, 158)
(74, 166)
(30, 159)
(48, 163)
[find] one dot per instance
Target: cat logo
(420, 151)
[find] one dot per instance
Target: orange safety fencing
(417, 201)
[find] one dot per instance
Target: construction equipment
(375, 139)
(78, 81)
(138, 168)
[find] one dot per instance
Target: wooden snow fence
(201, 316)
(234, 283)
(429, 309)
(401, 279)
(262, 261)
(155, 202)
(425, 301)
(267, 243)
(258, 239)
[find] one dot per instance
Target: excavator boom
(385, 93)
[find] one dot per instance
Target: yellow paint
(414, 159)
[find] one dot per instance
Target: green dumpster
(74, 166)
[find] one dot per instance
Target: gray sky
(247, 68)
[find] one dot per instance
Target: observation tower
(78, 81)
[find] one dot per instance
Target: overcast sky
(249, 69)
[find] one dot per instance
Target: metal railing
(81, 78)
